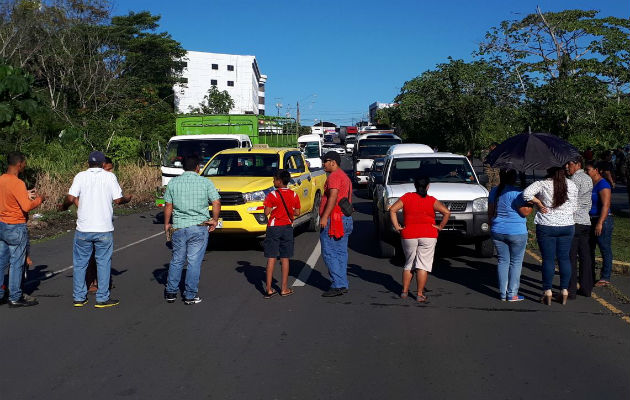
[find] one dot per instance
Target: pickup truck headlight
(391, 201)
(480, 204)
(258, 195)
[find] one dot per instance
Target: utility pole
(298, 113)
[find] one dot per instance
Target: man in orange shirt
(14, 207)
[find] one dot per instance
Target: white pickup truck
(453, 182)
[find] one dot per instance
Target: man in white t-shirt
(97, 189)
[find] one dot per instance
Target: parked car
(350, 142)
(375, 173)
(333, 147)
(453, 182)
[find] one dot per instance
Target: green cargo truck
(206, 135)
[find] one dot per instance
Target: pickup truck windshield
(453, 170)
(244, 164)
(374, 148)
(204, 148)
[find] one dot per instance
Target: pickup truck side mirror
(483, 179)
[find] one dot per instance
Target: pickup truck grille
(454, 226)
(457, 206)
(231, 198)
(230, 215)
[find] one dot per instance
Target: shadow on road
(385, 280)
(255, 275)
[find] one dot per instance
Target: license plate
(220, 223)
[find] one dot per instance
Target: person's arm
(604, 194)
(446, 214)
(67, 202)
(22, 196)
(216, 210)
(491, 212)
(168, 213)
(123, 200)
(330, 204)
(609, 178)
(297, 205)
(268, 211)
(398, 205)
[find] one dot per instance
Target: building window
(215, 66)
(261, 112)
(230, 68)
(230, 83)
(213, 82)
(261, 100)
(261, 88)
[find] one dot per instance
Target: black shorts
(279, 242)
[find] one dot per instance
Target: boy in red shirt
(281, 207)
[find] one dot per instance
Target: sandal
(602, 283)
(404, 295)
(421, 298)
(285, 294)
(269, 295)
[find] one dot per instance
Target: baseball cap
(96, 157)
(332, 155)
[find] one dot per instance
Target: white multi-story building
(374, 107)
(238, 75)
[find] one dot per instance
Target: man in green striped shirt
(187, 198)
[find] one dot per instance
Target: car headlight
(391, 201)
(480, 204)
(258, 195)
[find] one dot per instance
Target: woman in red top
(419, 235)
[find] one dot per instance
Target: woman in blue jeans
(601, 221)
(556, 199)
(506, 212)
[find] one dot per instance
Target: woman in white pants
(419, 235)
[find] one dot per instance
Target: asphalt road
(367, 344)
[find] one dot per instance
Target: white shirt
(96, 189)
(559, 216)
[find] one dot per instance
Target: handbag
(345, 205)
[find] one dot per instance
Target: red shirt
(419, 216)
(340, 181)
(278, 216)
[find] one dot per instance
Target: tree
(454, 106)
(215, 102)
(17, 106)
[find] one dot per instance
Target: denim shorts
(279, 242)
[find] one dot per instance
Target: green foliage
(124, 149)
(17, 106)
(215, 102)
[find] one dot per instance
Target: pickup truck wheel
(313, 225)
(484, 248)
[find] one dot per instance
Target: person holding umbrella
(556, 199)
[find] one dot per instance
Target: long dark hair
(422, 183)
(506, 177)
(560, 191)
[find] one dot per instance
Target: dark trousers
(581, 249)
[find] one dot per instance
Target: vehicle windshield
(374, 148)
(453, 170)
(311, 150)
(242, 164)
(203, 148)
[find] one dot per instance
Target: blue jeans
(555, 242)
(13, 241)
(335, 254)
(189, 245)
(103, 245)
(604, 241)
(510, 251)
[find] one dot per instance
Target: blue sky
(348, 53)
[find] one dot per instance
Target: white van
(311, 147)
(368, 147)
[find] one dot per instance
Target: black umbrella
(529, 151)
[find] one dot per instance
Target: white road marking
(50, 274)
(308, 268)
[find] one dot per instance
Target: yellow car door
(299, 184)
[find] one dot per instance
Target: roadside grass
(621, 250)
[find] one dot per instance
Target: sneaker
(107, 303)
(332, 292)
(23, 302)
(516, 298)
(192, 301)
(80, 303)
(344, 290)
(170, 297)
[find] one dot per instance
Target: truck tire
(484, 248)
(313, 224)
